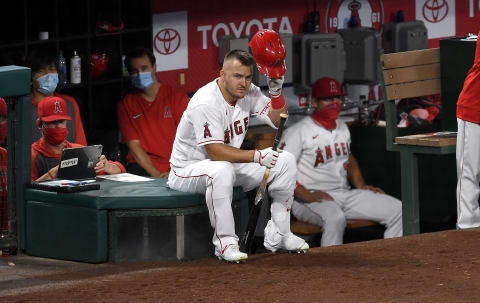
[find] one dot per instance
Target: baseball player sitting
(321, 146)
(207, 158)
(148, 118)
(47, 151)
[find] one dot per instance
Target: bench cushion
(125, 195)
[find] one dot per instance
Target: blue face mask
(142, 80)
(47, 83)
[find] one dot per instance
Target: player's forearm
(222, 152)
(143, 159)
(354, 174)
(274, 114)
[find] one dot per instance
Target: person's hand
(319, 196)
(373, 188)
(102, 165)
(266, 157)
(275, 86)
(164, 175)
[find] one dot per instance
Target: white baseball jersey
(322, 155)
(210, 119)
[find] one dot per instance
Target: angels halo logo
(369, 13)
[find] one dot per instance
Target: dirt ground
(434, 267)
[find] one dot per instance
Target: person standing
(468, 148)
(3, 169)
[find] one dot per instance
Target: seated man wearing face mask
(148, 118)
(44, 82)
(47, 151)
(326, 170)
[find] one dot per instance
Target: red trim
(265, 108)
(210, 141)
(213, 205)
(460, 181)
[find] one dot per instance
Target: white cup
(43, 35)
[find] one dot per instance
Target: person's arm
(79, 131)
(105, 166)
(50, 175)
(142, 158)
(277, 105)
(356, 178)
(222, 152)
(303, 194)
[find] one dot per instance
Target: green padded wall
(66, 232)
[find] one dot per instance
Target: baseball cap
(52, 108)
(3, 108)
(325, 88)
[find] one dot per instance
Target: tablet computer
(79, 163)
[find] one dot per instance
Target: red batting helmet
(325, 88)
(98, 64)
(269, 53)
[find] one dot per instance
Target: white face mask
(142, 80)
(47, 83)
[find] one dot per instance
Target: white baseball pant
(351, 204)
(216, 180)
(468, 174)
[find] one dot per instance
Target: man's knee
(335, 220)
(222, 171)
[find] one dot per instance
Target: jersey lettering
(337, 149)
(238, 129)
(343, 148)
(328, 152)
(235, 129)
(319, 158)
(226, 138)
(206, 131)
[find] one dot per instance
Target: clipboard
(65, 186)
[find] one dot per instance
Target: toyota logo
(167, 41)
(435, 11)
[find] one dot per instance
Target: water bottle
(75, 69)
(62, 70)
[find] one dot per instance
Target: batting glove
(275, 86)
(266, 157)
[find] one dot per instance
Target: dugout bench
(415, 74)
(123, 221)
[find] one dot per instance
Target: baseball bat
(261, 196)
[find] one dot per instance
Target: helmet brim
(272, 71)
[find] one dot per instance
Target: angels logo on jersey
(366, 13)
(325, 154)
(167, 112)
(206, 130)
